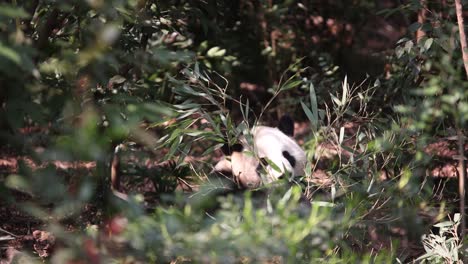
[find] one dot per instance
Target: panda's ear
(286, 125)
(223, 165)
(228, 150)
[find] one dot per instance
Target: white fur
(269, 143)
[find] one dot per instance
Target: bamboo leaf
(313, 104)
(310, 116)
(345, 90)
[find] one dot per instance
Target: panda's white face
(269, 144)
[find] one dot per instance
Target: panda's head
(265, 151)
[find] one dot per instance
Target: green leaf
(409, 45)
(211, 149)
(198, 133)
(118, 79)
(286, 197)
(341, 137)
(457, 217)
(313, 101)
(291, 85)
(444, 224)
(322, 204)
(12, 12)
(215, 52)
(428, 43)
(399, 51)
(10, 54)
(310, 116)
(312, 113)
(404, 179)
(345, 90)
(273, 165)
(174, 146)
(18, 182)
(336, 100)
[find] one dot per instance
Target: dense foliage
(174, 80)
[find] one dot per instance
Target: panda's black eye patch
(237, 148)
(290, 158)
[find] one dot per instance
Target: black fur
(237, 148)
(290, 158)
(228, 150)
(286, 125)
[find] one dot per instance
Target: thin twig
(461, 140)
(8, 233)
(461, 31)
(461, 181)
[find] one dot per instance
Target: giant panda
(267, 146)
